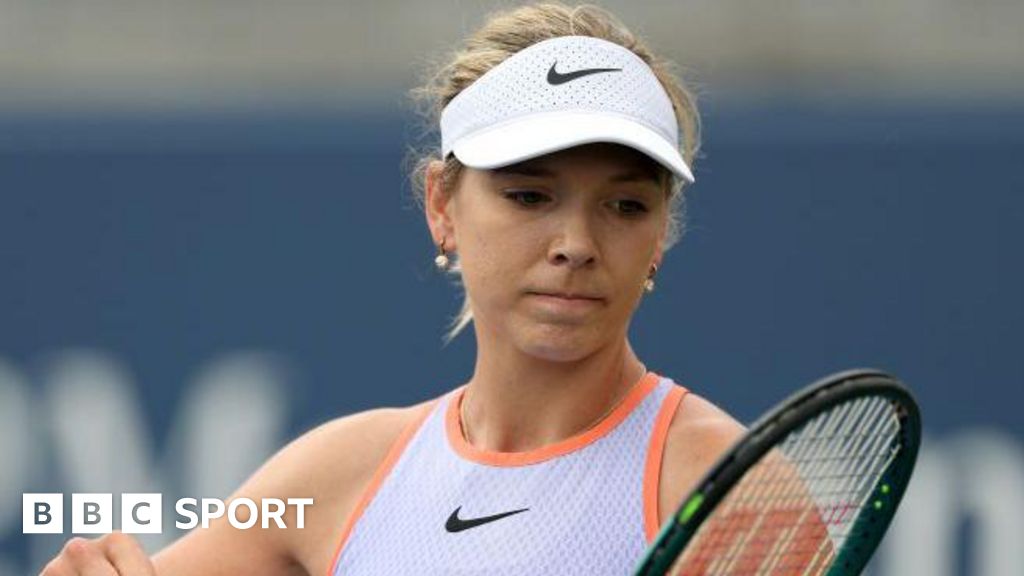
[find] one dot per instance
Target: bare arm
(331, 464)
(700, 433)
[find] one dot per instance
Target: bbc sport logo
(143, 513)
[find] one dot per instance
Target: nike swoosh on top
(456, 524)
(555, 77)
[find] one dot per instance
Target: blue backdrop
(283, 255)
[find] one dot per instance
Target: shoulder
(702, 430)
(335, 463)
(344, 448)
(332, 464)
(698, 435)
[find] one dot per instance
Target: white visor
(557, 94)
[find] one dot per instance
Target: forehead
(613, 161)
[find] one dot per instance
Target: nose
(574, 245)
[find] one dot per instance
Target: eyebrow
(532, 169)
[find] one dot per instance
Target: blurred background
(208, 243)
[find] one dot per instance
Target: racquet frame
(767, 433)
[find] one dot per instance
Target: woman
(553, 199)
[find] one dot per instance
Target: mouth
(567, 296)
(562, 306)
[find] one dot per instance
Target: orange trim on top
(458, 442)
(378, 479)
(655, 452)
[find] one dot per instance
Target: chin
(558, 343)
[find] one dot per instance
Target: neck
(516, 403)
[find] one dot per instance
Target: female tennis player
(565, 145)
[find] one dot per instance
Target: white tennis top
(586, 505)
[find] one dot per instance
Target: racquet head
(809, 490)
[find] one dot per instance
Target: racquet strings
(794, 510)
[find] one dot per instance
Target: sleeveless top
(585, 505)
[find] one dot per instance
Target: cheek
(493, 261)
(479, 270)
(633, 257)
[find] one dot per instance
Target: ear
(436, 207)
(659, 247)
(658, 254)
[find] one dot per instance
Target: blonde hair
(503, 34)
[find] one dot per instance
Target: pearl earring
(441, 261)
(649, 282)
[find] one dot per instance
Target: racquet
(809, 490)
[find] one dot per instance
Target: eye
(630, 207)
(527, 197)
